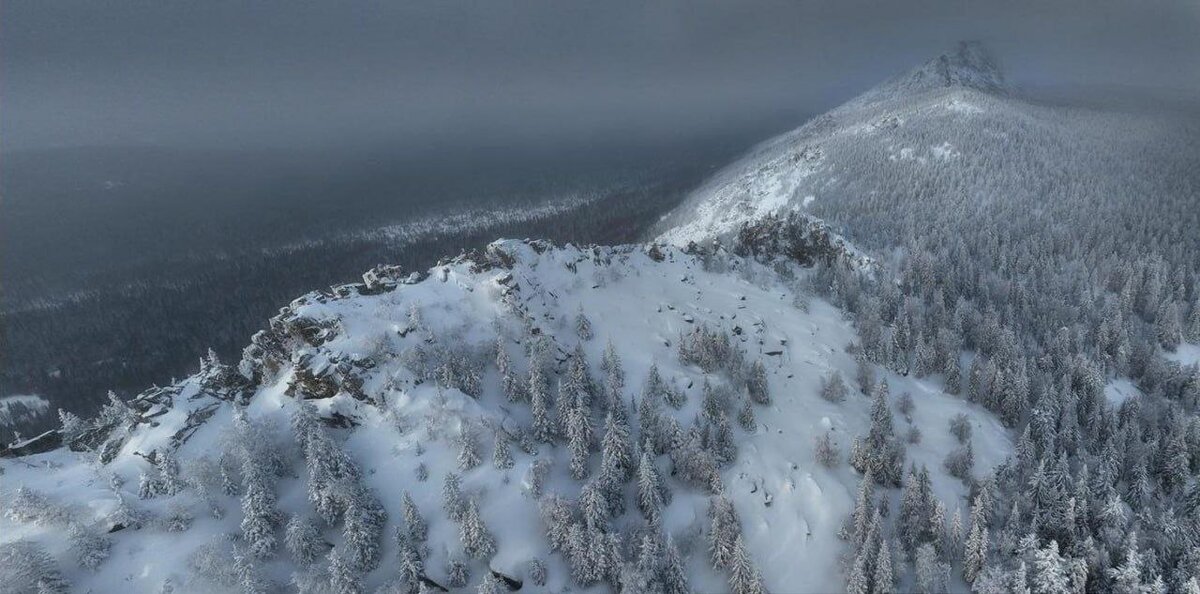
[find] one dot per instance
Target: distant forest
(122, 267)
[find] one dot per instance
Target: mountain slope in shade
(374, 360)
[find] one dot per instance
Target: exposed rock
(34, 445)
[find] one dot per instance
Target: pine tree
(363, 528)
(71, 427)
(744, 577)
(1127, 577)
(865, 376)
(246, 572)
(1192, 330)
(746, 418)
(408, 557)
(673, 577)
(911, 524)
(125, 516)
(258, 509)
(825, 452)
(863, 505)
(468, 447)
(578, 383)
(884, 580)
(90, 549)
(926, 358)
(1019, 582)
(477, 541)
(1050, 575)
(303, 541)
(725, 531)
(540, 404)
(616, 450)
(148, 486)
(330, 469)
(960, 427)
(593, 505)
(648, 413)
(452, 497)
(583, 326)
(116, 413)
(579, 438)
(960, 462)
(937, 531)
(417, 529)
(26, 567)
(930, 573)
(975, 554)
(650, 498)
(953, 374)
(614, 372)
(858, 581)
(874, 536)
(537, 572)
(954, 535)
(557, 516)
(501, 454)
(169, 480)
(756, 384)
(344, 578)
(489, 584)
(577, 551)
(880, 452)
(1167, 327)
(231, 484)
(512, 387)
(1174, 468)
(458, 573)
(723, 448)
(712, 403)
(833, 388)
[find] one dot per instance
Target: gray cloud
(317, 73)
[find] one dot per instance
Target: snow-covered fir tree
(303, 541)
(477, 541)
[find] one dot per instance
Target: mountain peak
(970, 65)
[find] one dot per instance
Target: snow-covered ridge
(799, 170)
(403, 372)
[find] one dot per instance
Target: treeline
(1056, 252)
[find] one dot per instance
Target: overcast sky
(299, 73)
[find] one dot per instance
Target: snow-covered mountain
(198, 485)
(539, 417)
(951, 132)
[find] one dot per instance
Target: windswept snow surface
(791, 507)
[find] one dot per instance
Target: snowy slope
(948, 132)
(19, 408)
(359, 342)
